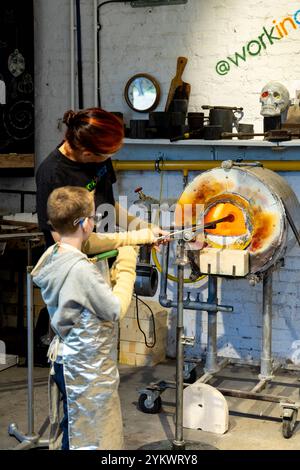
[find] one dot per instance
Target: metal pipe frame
(31, 439)
(229, 392)
(211, 364)
(266, 367)
(79, 54)
(95, 34)
(15, 236)
(178, 442)
(72, 55)
(181, 304)
(187, 303)
(29, 287)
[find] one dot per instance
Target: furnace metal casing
(264, 199)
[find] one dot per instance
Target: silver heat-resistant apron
(92, 380)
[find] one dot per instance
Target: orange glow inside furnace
(236, 227)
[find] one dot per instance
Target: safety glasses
(95, 217)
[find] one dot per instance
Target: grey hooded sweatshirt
(69, 284)
(84, 313)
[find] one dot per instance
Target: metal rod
(187, 304)
(209, 375)
(192, 304)
(211, 364)
(292, 224)
(20, 317)
(163, 297)
(266, 355)
(254, 396)
(29, 252)
(79, 54)
(178, 442)
(30, 351)
(72, 56)
(212, 224)
(204, 306)
(244, 134)
(31, 439)
(95, 33)
(259, 386)
(276, 135)
(11, 236)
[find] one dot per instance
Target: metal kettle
(225, 116)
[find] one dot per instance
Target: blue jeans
(60, 382)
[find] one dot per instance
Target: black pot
(161, 121)
(227, 117)
(195, 121)
(212, 132)
(138, 128)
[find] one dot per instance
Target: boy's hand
(125, 261)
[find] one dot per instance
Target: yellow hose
(170, 276)
(197, 165)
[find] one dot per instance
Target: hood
(51, 272)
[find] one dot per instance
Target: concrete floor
(252, 424)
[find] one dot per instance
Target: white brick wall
(150, 40)
(134, 40)
(205, 32)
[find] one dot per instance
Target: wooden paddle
(178, 88)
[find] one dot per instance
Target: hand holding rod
(196, 228)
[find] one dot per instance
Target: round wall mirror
(142, 93)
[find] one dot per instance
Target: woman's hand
(159, 232)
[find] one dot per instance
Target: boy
(84, 313)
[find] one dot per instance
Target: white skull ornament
(274, 98)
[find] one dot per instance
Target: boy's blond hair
(66, 204)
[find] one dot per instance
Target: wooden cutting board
(178, 88)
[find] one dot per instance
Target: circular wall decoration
(19, 120)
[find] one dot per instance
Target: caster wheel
(288, 424)
(191, 377)
(153, 408)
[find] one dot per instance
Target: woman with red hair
(84, 159)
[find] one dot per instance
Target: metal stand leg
(178, 442)
(211, 364)
(266, 368)
(31, 439)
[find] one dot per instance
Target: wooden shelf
(17, 160)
